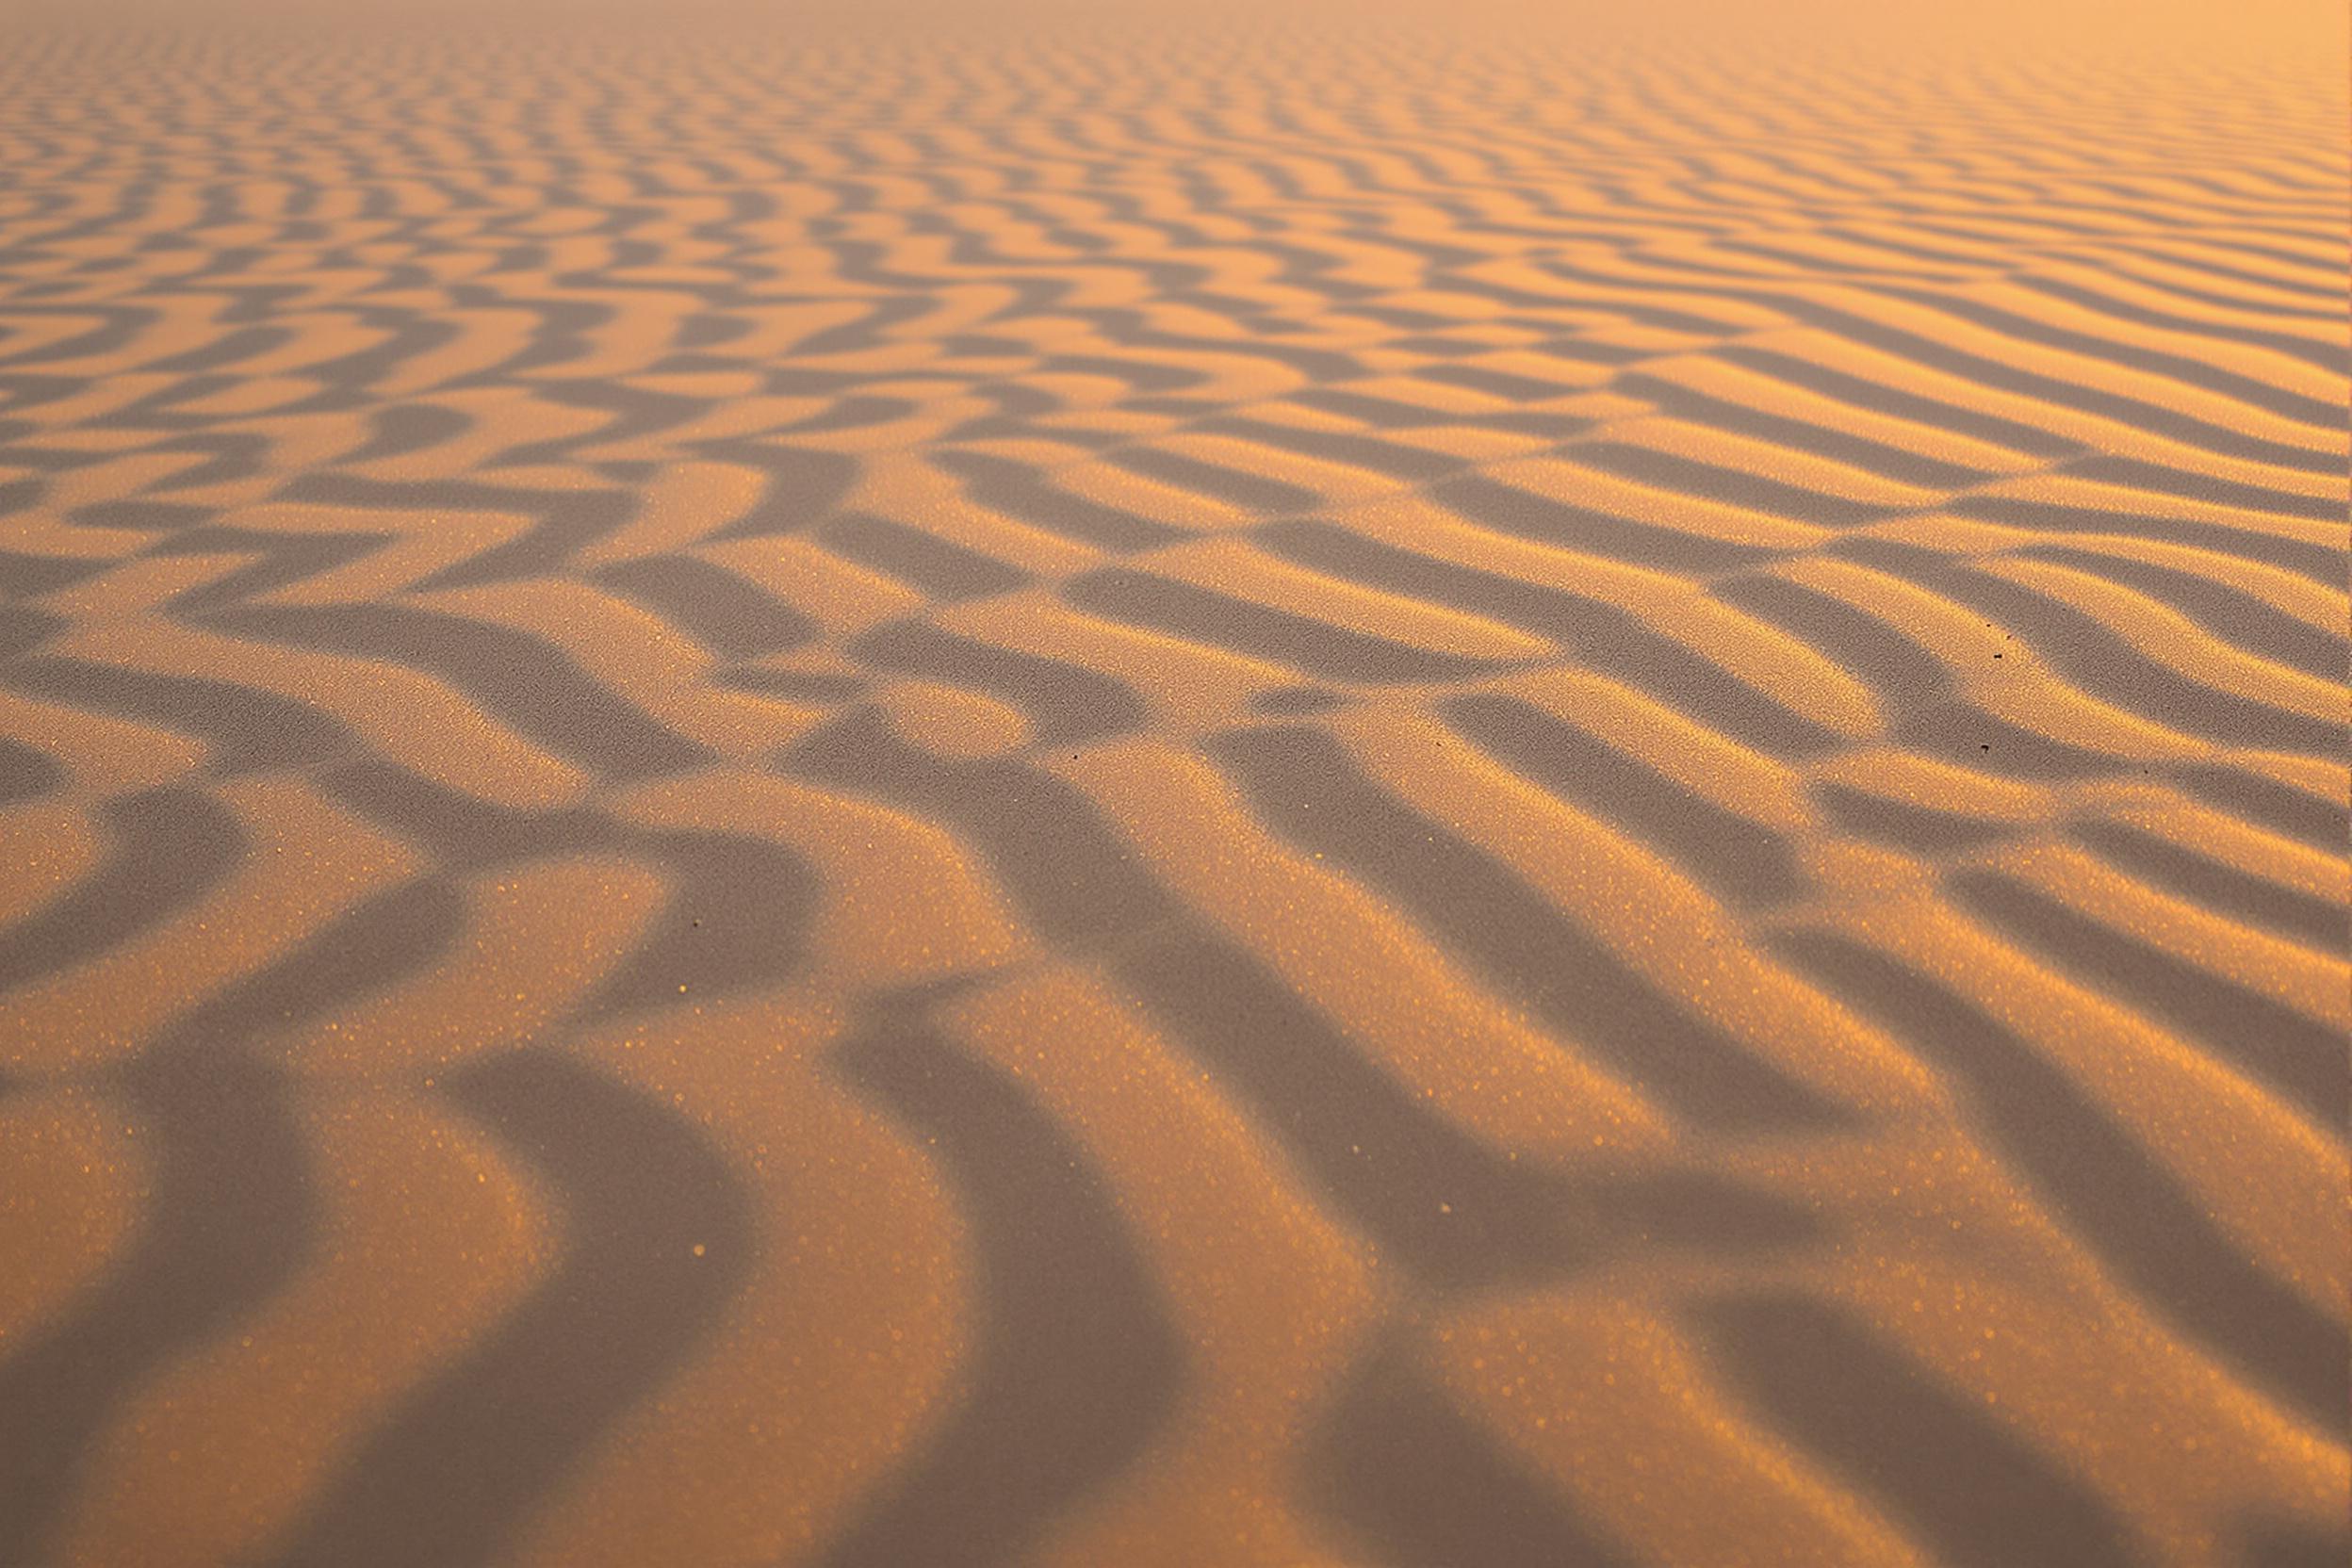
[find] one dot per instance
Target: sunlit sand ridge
(1081, 788)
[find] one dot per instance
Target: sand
(1267, 787)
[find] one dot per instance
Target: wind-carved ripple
(845, 794)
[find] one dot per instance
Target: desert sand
(1270, 787)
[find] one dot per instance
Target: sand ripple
(1238, 794)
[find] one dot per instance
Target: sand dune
(1091, 786)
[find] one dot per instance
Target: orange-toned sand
(1119, 788)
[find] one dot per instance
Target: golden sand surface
(1121, 787)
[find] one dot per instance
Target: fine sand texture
(1130, 786)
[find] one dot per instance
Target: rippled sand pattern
(1226, 796)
